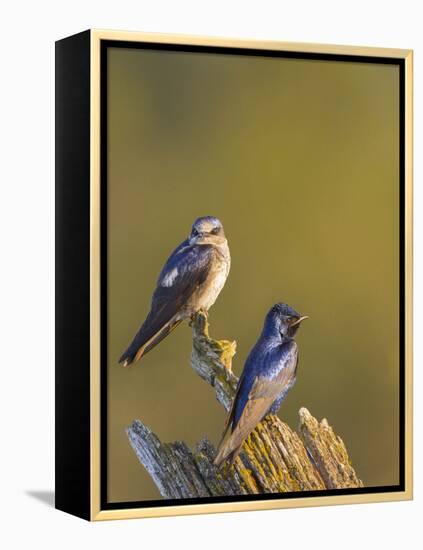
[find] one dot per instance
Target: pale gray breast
(217, 277)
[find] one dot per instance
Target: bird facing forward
(269, 373)
(190, 281)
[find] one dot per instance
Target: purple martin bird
(269, 373)
(190, 281)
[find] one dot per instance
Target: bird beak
(300, 320)
(197, 238)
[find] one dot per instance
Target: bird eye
(194, 232)
(215, 231)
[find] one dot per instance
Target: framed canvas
(212, 195)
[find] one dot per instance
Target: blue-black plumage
(190, 281)
(269, 373)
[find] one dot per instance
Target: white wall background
(29, 30)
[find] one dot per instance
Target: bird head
(284, 319)
(207, 230)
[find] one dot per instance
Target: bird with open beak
(269, 373)
(190, 281)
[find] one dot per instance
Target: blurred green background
(299, 159)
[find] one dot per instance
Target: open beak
(300, 320)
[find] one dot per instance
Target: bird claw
(202, 312)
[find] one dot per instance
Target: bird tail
(227, 452)
(141, 344)
(224, 450)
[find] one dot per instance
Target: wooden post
(274, 458)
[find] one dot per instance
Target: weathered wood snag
(274, 459)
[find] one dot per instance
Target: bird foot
(204, 312)
(199, 312)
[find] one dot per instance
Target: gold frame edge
(95, 427)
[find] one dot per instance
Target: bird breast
(216, 279)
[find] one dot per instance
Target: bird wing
(231, 412)
(183, 273)
(186, 269)
(264, 391)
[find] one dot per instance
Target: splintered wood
(274, 458)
